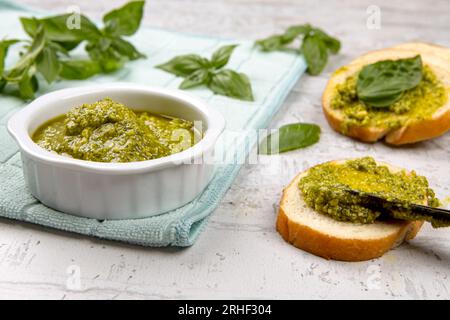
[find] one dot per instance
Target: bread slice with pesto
(431, 117)
(324, 236)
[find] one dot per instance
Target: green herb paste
(108, 131)
(324, 190)
(415, 104)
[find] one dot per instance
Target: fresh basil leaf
(28, 58)
(58, 48)
(333, 44)
(68, 45)
(383, 102)
(103, 44)
(315, 45)
(30, 25)
(197, 78)
(4, 46)
(28, 85)
(47, 63)
(109, 64)
(271, 43)
(79, 69)
(184, 65)
(295, 31)
(103, 52)
(232, 84)
(108, 60)
(112, 53)
(94, 50)
(221, 56)
(277, 42)
(197, 71)
(54, 36)
(126, 49)
(382, 83)
(60, 29)
(315, 52)
(2, 84)
(290, 137)
(125, 20)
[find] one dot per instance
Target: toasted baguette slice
(323, 236)
(415, 130)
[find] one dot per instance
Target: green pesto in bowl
(108, 131)
(324, 190)
(416, 104)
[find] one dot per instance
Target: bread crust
(330, 247)
(420, 131)
(438, 58)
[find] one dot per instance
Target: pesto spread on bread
(325, 189)
(418, 103)
(108, 131)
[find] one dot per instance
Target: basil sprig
(315, 45)
(382, 83)
(47, 55)
(197, 70)
(290, 137)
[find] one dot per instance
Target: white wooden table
(240, 255)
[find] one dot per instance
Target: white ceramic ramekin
(116, 190)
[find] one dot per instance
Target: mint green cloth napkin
(272, 76)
